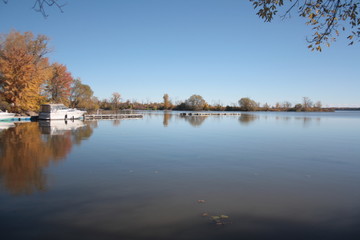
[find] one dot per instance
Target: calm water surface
(272, 176)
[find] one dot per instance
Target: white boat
(59, 112)
(6, 115)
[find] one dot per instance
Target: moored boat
(6, 115)
(59, 112)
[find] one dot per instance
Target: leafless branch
(40, 6)
(287, 13)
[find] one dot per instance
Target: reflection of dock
(112, 116)
(210, 114)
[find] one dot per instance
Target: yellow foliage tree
(23, 70)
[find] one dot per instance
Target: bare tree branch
(41, 5)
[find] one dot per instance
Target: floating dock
(112, 116)
(21, 119)
(210, 114)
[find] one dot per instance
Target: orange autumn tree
(23, 70)
(58, 86)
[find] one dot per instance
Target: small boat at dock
(6, 115)
(59, 112)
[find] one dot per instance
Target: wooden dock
(112, 116)
(210, 114)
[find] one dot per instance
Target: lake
(254, 176)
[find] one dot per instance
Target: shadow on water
(28, 148)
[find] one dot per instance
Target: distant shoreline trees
(198, 103)
(81, 96)
(167, 102)
(247, 104)
(115, 100)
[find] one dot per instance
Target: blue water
(274, 176)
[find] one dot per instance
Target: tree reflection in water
(307, 121)
(116, 122)
(167, 117)
(246, 119)
(195, 121)
(27, 149)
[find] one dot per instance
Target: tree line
(198, 103)
(28, 78)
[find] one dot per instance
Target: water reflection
(84, 133)
(6, 125)
(285, 119)
(116, 122)
(167, 117)
(195, 121)
(307, 121)
(59, 127)
(28, 148)
(246, 119)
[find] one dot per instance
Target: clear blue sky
(219, 49)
